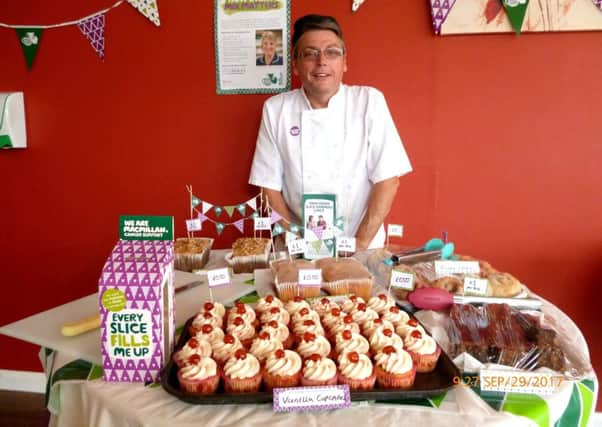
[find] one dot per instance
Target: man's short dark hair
(314, 22)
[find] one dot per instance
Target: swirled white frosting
(330, 319)
(248, 316)
(370, 326)
(223, 350)
(261, 348)
(320, 370)
(244, 331)
(403, 330)
(424, 345)
(281, 316)
(280, 332)
(262, 305)
(398, 362)
(205, 368)
(200, 319)
(378, 340)
(242, 368)
(319, 345)
(360, 370)
(348, 304)
(202, 348)
(396, 318)
(218, 308)
(316, 328)
(340, 326)
(293, 306)
(362, 316)
(214, 335)
(290, 364)
(322, 307)
(380, 305)
(310, 315)
(355, 343)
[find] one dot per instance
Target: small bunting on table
(195, 201)
(29, 38)
(329, 243)
(277, 230)
(340, 223)
(252, 203)
(516, 10)
(206, 207)
(229, 210)
(94, 30)
(254, 215)
(218, 210)
(295, 228)
(275, 216)
(242, 209)
(219, 227)
(317, 245)
(148, 8)
(202, 216)
(240, 224)
(318, 231)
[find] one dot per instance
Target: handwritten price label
(345, 244)
(447, 268)
(218, 277)
(395, 230)
(310, 277)
(297, 246)
(475, 286)
(262, 223)
(520, 382)
(402, 280)
(194, 224)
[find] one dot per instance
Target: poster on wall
(252, 46)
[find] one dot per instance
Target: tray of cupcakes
(240, 354)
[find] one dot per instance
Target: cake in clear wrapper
(345, 275)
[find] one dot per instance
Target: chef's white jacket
(343, 149)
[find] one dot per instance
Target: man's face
(320, 75)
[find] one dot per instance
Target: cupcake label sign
(311, 398)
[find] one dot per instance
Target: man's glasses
(313, 54)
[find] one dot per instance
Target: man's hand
(379, 204)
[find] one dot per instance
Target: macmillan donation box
(136, 299)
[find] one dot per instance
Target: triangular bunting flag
(439, 12)
(206, 206)
(318, 231)
(195, 201)
(240, 225)
(275, 216)
(219, 227)
(254, 215)
(252, 203)
(148, 8)
(340, 223)
(329, 243)
(242, 208)
(289, 237)
(277, 230)
(295, 228)
(516, 10)
(317, 245)
(30, 39)
(229, 210)
(218, 210)
(94, 30)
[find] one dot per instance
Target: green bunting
(329, 243)
(29, 38)
(317, 245)
(218, 210)
(219, 227)
(242, 209)
(516, 10)
(195, 201)
(277, 230)
(229, 210)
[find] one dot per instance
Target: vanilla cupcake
(424, 351)
(370, 326)
(305, 314)
(275, 313)
(278, 331)
(244, 331)
(351, 302)
(318, 371)
(313, 344)
(343, 324)
(332, 317)
(214, 308)
(209, 333)
(405, 329)
(357, 371)
(395, 316)
(295, 304)
(205, 318)
(394, 368)
(242, 373)
(361, 314)
(242, 310)
(263, 345)
(383, 337)
(307, 326)
(347, 341)
(322, 305)
(282, 369)
(193, 346)
(381, 303)
(225, 348)
(200, 377)
(267, 302)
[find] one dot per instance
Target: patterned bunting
(275, 216)
(316, 244)
(94, 30)
(202, 217)
(318, 231)
(29, 38)
(289, 236)
(516, 11)
(439, 11)
(219, 227)
(242, 209)
(254, 215)
(240, 224)
(252, 203)
(229, 210)
(277, 230)
(329, 243)
(218, 210)
(148, 8)
(206, 207)
(340, 223)
(295, 228)
(195, 201)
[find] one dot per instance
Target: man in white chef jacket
(329, 138)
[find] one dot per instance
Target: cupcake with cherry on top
(395, 316)
(381, 303)
(313, 344)
(244, 331)
(199, 376)
(242, 373)
(424, 350)
(405, 329)
(357, 371)
(279, 331)
(383, 337)
(318, 370)
(282, 369)
(267, 302)
(263, 345)
(394, 368)
(224, 349)
(201, 348)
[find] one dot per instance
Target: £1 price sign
(262, 223)
(297, 246)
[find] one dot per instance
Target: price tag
(311, 398)
(310, 277)
(447, 268)
(509, 381)
(345, 244)
(218, 277)
(262, 223)
(475, 286)
(402, 280)
(194, 224)
(297, 246)
(395, 230)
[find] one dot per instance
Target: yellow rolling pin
(71, 329)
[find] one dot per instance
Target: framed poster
(252, 48)
(319, 214)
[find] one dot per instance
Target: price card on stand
(395, 230)
(194, 224)
(448, 268)
(262, 223)
(297, 246)
(345, 244)
(402, 280)
(475, 286)
(310, 277)
(218, 277)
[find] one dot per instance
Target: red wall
(503, 132)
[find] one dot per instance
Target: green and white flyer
(319, 214)
(252, 47)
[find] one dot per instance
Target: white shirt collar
(333, 102)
